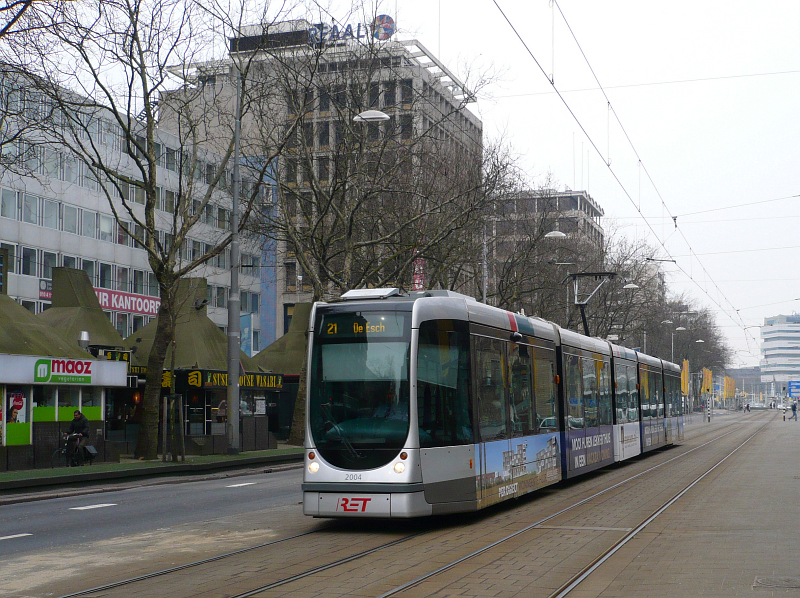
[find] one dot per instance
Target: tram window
(645, 392)
(522, 415)
(572, 372)
(490, 388)
(589, 372)
(622, 394)
(604, 410)
(443, 404)
(544, 373)
(656, 390)
(633, 395)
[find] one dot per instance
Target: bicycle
(62, 458)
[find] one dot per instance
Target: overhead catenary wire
(614, 174)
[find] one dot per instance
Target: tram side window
(656, 398)
(645, 393)
(490, 388)
(522, 416)
(633, 395)
(544, 376)
(673, 395)
(604, 409)
(443, 402)
(572, 372)
(621, 385)
(589, 372)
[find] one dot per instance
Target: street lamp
(555, 234)
(370, 116)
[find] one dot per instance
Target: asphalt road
(56, 523)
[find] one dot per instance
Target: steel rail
(527, 528)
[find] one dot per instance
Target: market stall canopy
(76, 308)
(199, 345)
(287, 354)
(22, 333)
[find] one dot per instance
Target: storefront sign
(382, 29)
(135, 304)
(30, 369)
(220, 379)
(46, 289)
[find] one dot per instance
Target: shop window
(44, 403)
(68, 402)
(92, 403)
(18, 429)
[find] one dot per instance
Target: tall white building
(56, 214)
(780, 336)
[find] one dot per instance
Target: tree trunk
(147, 442)
(297, 434)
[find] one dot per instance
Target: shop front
(39, 395)
(205, 400)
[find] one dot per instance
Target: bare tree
(106, 71)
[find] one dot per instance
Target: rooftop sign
(382, 28)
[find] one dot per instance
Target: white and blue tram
(431, 402)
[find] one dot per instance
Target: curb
(185, 469)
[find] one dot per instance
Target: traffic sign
(794, 389)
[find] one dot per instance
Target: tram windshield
(358, 386)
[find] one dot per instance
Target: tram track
(309, 572)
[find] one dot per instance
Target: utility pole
(234, 325)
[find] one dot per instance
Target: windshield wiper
(327, 412)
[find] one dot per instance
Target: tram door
(491, 391)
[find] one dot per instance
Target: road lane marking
(14, 536)
(111, 504)
(240, 485)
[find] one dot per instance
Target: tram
(430, 402)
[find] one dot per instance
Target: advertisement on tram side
(589, 449)
(627, 441)
(518, 466)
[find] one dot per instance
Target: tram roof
(573, 339)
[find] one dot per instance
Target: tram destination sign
(363, 325)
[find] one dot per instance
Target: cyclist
(79, 426)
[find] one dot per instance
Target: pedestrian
(794, 411)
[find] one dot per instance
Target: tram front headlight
(313, 467)
(399, 467)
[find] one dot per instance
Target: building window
(49, 261)
(69, 217)
(89, 228)
(139, 279)
(105, 276)
(122, 324)
(290, 269)
(12, 252)
(106, 228)
(70, 262)
(30, 209)
(8, 204)
(50, 213)
(123, 278)
(222, 297)
(88, 267)
(28, 262)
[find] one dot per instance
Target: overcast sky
(708, 93)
